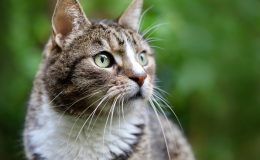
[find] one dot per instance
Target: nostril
(139, 79)
(135, 79)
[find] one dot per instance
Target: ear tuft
(131, 15)
(68, 17)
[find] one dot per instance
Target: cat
(90, 94)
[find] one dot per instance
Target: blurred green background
(209, 64)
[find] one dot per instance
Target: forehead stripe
(137, 68)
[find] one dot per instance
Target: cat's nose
(139, 79)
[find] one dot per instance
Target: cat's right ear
(68, 18)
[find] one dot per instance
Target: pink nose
(139, 79)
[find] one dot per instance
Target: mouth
(138, 95)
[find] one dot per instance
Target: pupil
(142, 58)
(102, 59)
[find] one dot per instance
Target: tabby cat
(90, 94)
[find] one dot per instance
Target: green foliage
(209, 64)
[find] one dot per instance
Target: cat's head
(92, 66)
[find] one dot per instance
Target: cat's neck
(65, 137)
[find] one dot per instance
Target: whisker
(123, 110)
(167, 122)
(99, 89)
(157, 47)
(159, 89)
(155, 26)
(165, 102)
(113, 106)
(152, 32)
(153, 40)
(119, 113)
(103, 98)
(91, 115)
(75, 103)
(154, 108)
(91, 129)
(78, 119)
(105, 129)
(56, 96)
(141, 18)
(148, 28)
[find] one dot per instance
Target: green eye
(142, 58)
(102, 60)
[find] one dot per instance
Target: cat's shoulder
(162, 133)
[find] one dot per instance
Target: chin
(138, 101)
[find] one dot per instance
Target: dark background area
(209, 65)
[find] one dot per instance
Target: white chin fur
(55, 138)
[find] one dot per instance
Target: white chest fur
(68, 138)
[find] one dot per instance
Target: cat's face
(97, 66)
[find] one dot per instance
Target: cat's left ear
(131, 15)
(68, 18)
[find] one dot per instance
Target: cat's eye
(103, 60)
(142, 58)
